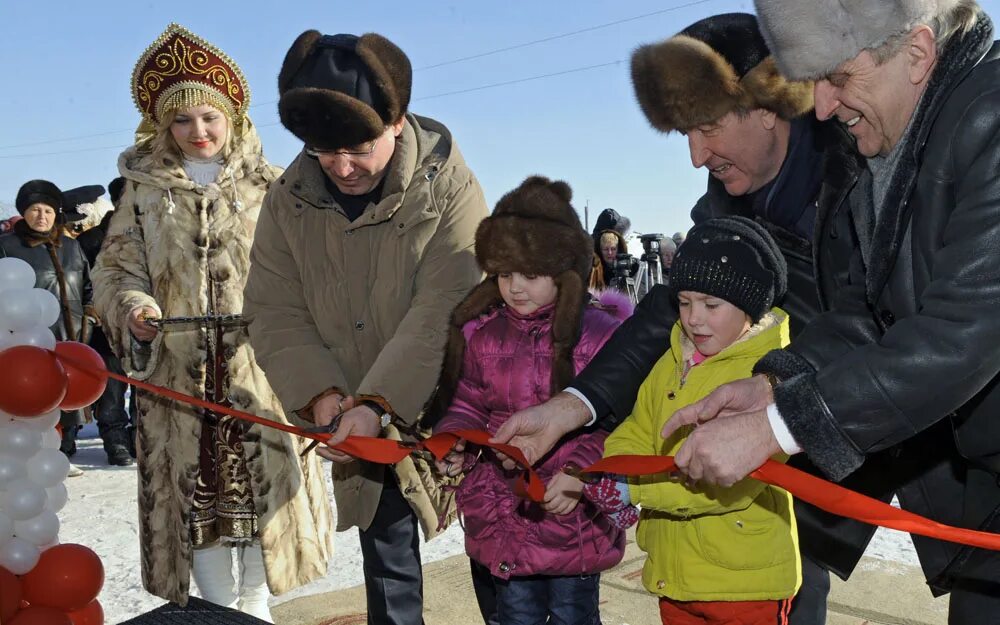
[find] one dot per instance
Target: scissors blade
(321, 429)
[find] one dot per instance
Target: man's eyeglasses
(363, 153)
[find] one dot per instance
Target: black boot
(117, 448)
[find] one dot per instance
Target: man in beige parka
(363, 248)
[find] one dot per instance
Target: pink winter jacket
(507, 367)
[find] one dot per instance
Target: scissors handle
(322, 429)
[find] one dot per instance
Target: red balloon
(67, 577)
(33, 382)
(36, 615)
(85, 373)
(92, 614)
(10, 595)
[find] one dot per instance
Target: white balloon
(19, 556)
(22, 500)
(57, 497)
(20, 439)
(19, 310)
(48, 306)
(35, 336)
(6, 528)
(15, 274)
(42, 423)
(39, 530)
(51, 439)
(11, 469)
(47, 468)
(7, 339)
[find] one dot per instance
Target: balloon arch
(42, 582)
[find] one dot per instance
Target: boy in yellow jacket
(715, 555)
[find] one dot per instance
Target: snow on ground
(102, 515)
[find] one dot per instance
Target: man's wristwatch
(384, 417)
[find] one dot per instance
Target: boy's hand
(451, 464)
(562, 494)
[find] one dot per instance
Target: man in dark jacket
(900, 379)
(764, 152)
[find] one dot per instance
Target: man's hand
(326, 408)
(137, 322)
(562, 494)
(357, 421)
(453, 461)
(536, 430)
(747, 395)
(725, 450)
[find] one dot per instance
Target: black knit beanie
(732, 258)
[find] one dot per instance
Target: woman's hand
(137, 322)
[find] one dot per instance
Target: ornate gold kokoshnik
(180, 70)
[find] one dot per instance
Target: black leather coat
(899, 382)
(73, 264)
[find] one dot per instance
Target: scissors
(322, 429)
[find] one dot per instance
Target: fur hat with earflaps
(810, 39)
(339, 91)
(732, 258)
(713, 67)
(533, 230)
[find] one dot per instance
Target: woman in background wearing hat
(60, 268)
(178, 246)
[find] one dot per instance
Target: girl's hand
(563, 494)
(453, 461)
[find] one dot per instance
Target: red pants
(724, 612)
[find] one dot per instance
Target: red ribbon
(822, 494)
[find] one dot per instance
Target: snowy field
(101, 514)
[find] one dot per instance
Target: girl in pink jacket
(518, 338)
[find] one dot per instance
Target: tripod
(650, 274)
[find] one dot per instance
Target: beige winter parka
(363, 306)
(184, 250)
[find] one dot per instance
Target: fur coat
(184, 250)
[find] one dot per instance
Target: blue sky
(67, 67)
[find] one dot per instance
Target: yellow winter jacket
(708, 543)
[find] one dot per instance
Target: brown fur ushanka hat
(533, 230)
(339, 91)
(717, 65)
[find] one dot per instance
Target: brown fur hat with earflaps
(533, 230)
(715, 66)
(339, 91)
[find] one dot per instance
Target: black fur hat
(732, 258)
(339, 91)
(35, 191)
(533, 230)
(717, 65)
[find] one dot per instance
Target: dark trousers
(809, 606)
(109, 409)
(555, 600)
(486, 592)
(390, 548)
(974, 603)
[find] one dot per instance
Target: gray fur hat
(810, 38)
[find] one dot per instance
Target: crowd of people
(832, 307)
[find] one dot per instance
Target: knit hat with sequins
(732, 258)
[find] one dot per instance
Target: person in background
(211, 487)
(61, 268)
(609, 241)
(667, 250)
(91, 214)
